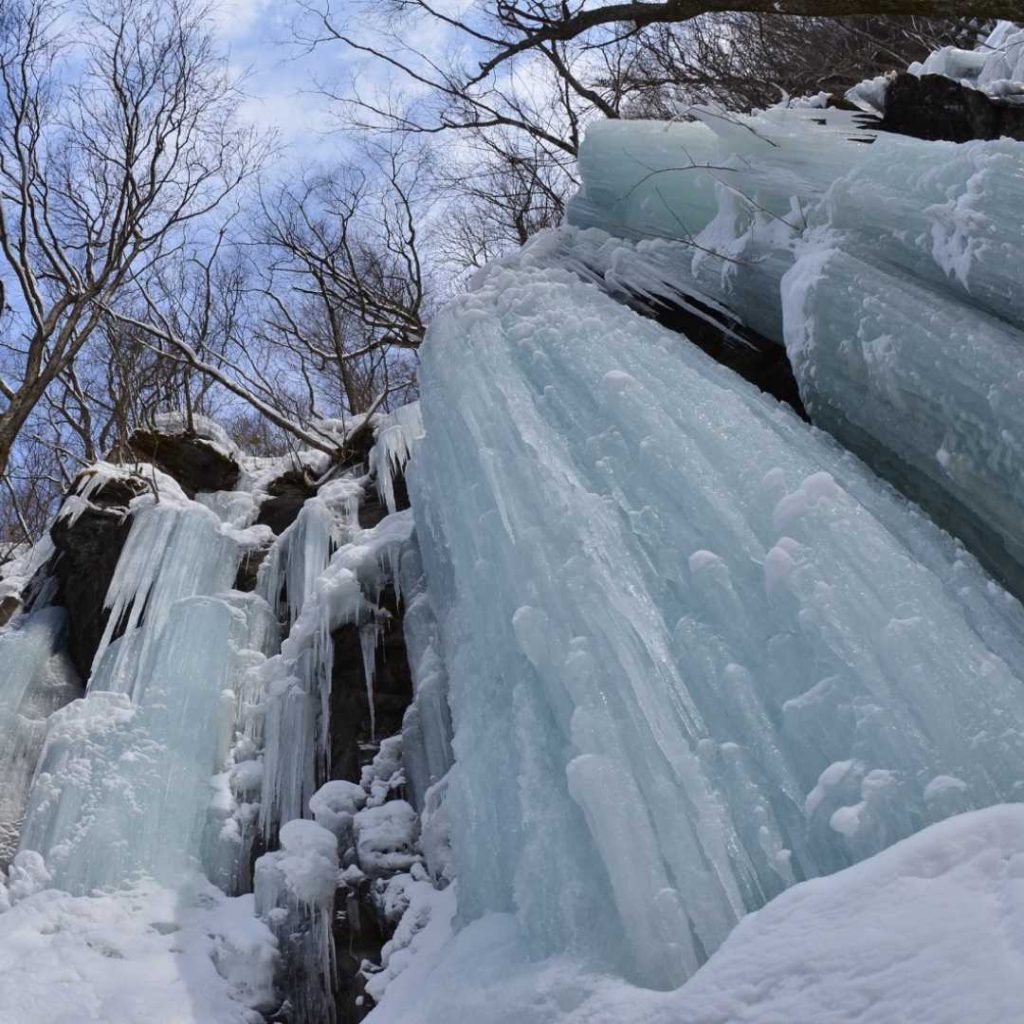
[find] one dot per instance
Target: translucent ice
(36, 678)
(902, 314)
(697, 652)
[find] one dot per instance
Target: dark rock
(195, 462)
(353, 742)
(9, 606)
(371, 510)
(761, 361)
(87, 554)
(249, 567)
(935, 107)
(288, 493)
(359, 934)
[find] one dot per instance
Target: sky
(279, 79)
(281, 75)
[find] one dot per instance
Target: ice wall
(36, 678)
(697, 651)
(888, 266)
(123, 787)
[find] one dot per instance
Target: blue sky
(280, 84)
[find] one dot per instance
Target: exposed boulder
(88, 546)
(197, 463)
(936, 107)
(9, 605)
(288, 493)
(249, 568)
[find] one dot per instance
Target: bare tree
(514, 27)
(769, 57)
(346, 291)
(100, 177)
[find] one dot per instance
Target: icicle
(396, 439)
(36, 680)
(369, 636)
(299, 678)
(174, 550)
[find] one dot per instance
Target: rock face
(761, 361)
(352, 738)
(8, 606)
(87, 552)
(195, 462)
(287, 493)
(935, 107)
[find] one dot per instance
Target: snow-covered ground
(930, 931)
(143, 955)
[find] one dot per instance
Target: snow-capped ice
(995, 66)
(890, 271)
(335, 804)
(386, 838)
(928, 930)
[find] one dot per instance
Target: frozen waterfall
(888, 267)
(697, 651)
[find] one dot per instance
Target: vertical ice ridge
(298, 680)
(672, 614)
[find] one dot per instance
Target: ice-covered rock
(386, 838)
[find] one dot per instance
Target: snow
(307, 862)
(21, 564)
(636, 742)
(144, 955)
(995, 67)
(203, 427)
(386, 838)
(419, 938)
(335, 804)
(928, 930)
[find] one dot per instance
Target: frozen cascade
(301, 554)
(36, 679)
(722, 657)
(101, 811)
(175, 549)
(890, 271)
(169, 699)
(346, 590)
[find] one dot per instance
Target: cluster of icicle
(200, 730)
(698, 651)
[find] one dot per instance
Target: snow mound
(144, 955)
(931, 929)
